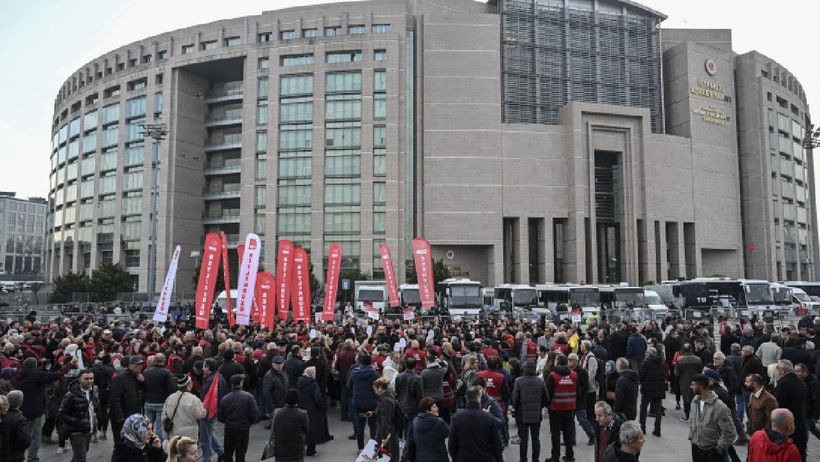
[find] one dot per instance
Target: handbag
(270, 448)
(168, 424)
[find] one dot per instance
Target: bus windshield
(373, 295)
(410, 296)
(780, 295)
(585, 297)
(465, 295)
(630, 296)
(694, 290)
(525, 297)
(758, 294)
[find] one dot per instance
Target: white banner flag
(161, 314)
(246, 284)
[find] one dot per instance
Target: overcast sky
(45, 41)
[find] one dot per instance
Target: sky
(42, 42)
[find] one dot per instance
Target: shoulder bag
(270, 449)
(168, 424)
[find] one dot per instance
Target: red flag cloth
(334, 263)
(389, 276)
(422, 254)
(208, 272)
(300, 286)
(284, 262)
(211, 401)
(226, 273)
(266, 296)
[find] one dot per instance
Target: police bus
(553, 296)
(514, 298)
(460, 297)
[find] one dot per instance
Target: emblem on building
(711, 67)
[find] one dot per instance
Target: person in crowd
(103, 377)
(159, 385)
(653, 388)
(137, 442)
(606, 426)
(364, 399)
(16, 437)
(761, 403)
(318, 360)
(207, 435)
(749, 365)
(409, 390)
(238, 411)
(791, 394)
(711, 431)
(474, 435)
(467, 373)
(432, 380)
(529, 398)
(345, 360)
(79, 412)
(718, 388)
(184, 409)
(293, 366)
(626, 390)
(386, 432)
(274, 386)
(127, 395)
(610, 382)
(769, 352)
(497, 387)
(628, 444)
(311, 400)
(772, 444)
(182, 449)
(635, 348)
(229, 366)
(563, 389)
(290, 429)
(429, 432)
(687, 366)
(580, 406)
(813, 400)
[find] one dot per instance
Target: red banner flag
(389, 276)
(266, 297)
(226, 274)
(284, 262)
(423, 257)
(208, 272)
(211, 402)
(334, 263)
(246, 280)
(300, 289)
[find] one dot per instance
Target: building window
(262, 88)
(261, 142)
(232, 41)
(310, 33)
(261, 168)
(287, 35)
(132, 62)
(158, 79)
(344, 56)
(356, 29)
(264, 63)
(138, 84)
(264, 37)
(262, 112)
(162, 54)
(112, 91)
(379, 106)
(333, 31)
(381, 28)
(187, 49)
(209, 45)
(380, 55)
(296, 60)
(147, 59)
(260, 200)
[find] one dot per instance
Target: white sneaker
(62, 450)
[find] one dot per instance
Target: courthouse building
(528, 140)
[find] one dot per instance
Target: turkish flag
(751, 246)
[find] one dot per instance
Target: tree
(315, 287)
(440, 272)
(35, 287)
(220, 279)
(66, 284)
(351, 274)
(107, 280)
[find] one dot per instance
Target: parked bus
(514, 297)
(783, 297)
(620, 297)
(550, 297)
(742, 293)
(409, 296)
(811, 288)
(371, 292)
(460, 297)
(684, 294)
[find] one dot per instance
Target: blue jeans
(208, 440)
(153, 412)
(583, 421)
(740, 404)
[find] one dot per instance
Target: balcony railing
(228, 166)
(228, 191)
(224, 118)
(231, 141)
(212, 217)
(226, 93)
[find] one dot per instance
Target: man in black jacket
(791, 394)
(229, 366)
(813, 401)
(159, 385)
(238, 411)
(293, 365)
(581, 406)
(409, 390)
(474, 436)
(126, 395)
(33, 383)
(626, 390)
(606, 426)
(14, 428)
(290, 429)
(274, 387)
(653, 388)
(79, 413)
(103, 376)
(529, 397)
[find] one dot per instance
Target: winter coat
(529, 397)
(274, 388)
(432, 379)
(769, 446)
(751, 365)
(74, 410)
(613, 453)
(293, 368)
(128, 453)
(409, 390)
(626, 394)
(618, 342)
(729, 378)
(712, 428)
(33, 385)
(186, 409)
(474, 436)
(430, 433)
(636, 347)
(322, 372)
(791, 393)
(813, 401)
(617, 420)
(15, 436)
(310, 399)
(126, 396)
(760, 411)
(385, 412)
(360, 384)
(289, 432)
(688, 366)
(652, 377)
(769, 353)
(231, 368)
(238, 410)
(159, 384)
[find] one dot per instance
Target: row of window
(333, 31)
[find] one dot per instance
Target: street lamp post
(156, 131)
(811, 140)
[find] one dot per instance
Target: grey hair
(749, 348)
(785, 365)
(587, 345)
(15, 399)
(605, 406)
(719, 354)
(623, 362)
(572, 357)
(630, 430)
(735, 347)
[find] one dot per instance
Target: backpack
(399, 418)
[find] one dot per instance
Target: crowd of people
(436, 389)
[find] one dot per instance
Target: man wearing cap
(274, 387)
(126, 395)
(184, 409)
(238, 411)
(716, 385)
(529, 397)
(711, 431)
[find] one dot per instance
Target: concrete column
(522, 246)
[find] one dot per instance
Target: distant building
(528, 141)
(22, 235)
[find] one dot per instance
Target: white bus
(370, 292)
(409, 296)
(514, 298)
(742, 294)
(619, 297)
(550, 297)
(460, 297)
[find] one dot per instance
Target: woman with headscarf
(610, 380)
(137, 442)
(310, 399)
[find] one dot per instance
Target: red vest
(495, 382)
(532, 351)
(566, 389)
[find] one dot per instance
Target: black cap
(236, 379)
(134, 360)
(278, 359)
